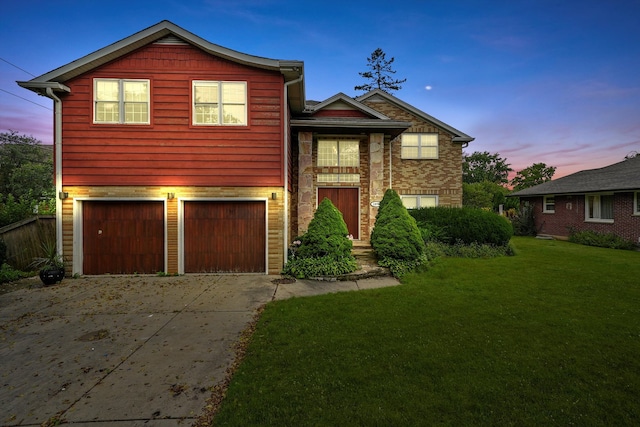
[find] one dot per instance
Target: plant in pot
(51, 264)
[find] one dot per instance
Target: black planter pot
(50, 276)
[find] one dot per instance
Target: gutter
(285, 182)
(57, 142)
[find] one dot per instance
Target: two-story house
(175, 154)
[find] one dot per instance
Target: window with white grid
(338, 152)
(419, 145)
(121, 101)
(219, 103)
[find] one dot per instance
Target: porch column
(376, 176)
(306, 194)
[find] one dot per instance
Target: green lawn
(548, 337)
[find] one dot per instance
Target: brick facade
(570, 215)
(441, 177)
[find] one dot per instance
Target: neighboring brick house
(175, 154)
(605, 200)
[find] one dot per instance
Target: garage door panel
(224, 236)
(123, 237)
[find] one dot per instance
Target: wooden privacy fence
(24, 239)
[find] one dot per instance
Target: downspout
(57, 143)
(390, 163)
(287, 131)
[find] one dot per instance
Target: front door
(347, 201)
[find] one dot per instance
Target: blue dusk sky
(535, 81)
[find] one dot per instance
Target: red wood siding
(170, 151)
(123, 237)
(224, 237)
(347, 202)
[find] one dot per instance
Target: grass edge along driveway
(548, 337)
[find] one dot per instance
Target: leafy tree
(479, 167)
(532, 175)
(26, 176)
(486, 195)
(26, 167)
(380, 73)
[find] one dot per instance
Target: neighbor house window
(599, 207)
(636, 203)
(219, 103)
(549, 204)
(419, 145)
(419, 201)
(340, 153)
(121, 101)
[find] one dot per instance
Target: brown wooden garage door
(123, 237)
(347, 201)
(224, 236)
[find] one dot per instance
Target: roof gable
(378, 95)
(624, 175)
(166, 32)
(340, 101)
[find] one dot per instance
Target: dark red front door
(347, 201)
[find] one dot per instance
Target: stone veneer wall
(372, 185)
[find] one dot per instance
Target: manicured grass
(548, 337)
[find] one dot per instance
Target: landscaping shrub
(603, 240)
(471, 250)
(326, 235)
(465, 225)
(325, 249)
(396, 233)
(396, 238)
(9, 274)
(522, 221)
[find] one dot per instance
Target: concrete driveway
(128, 351)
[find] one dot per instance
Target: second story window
(219, 103)
(121, 101)
(338, 152)
(419, 146)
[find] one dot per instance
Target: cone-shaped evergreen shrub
(326, 235)
(396, 234)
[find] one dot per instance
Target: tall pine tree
(380, 74)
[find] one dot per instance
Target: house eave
(290, 69)
(392, 128)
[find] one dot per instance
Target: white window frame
(419, 198)
(339, 152)
(420, 145)
(636, 203)
(545, 203)
(220, 102)
(121, 102)
(597, 208)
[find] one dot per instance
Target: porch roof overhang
(391, 128)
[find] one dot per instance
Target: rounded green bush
(326, 235)
(396, 234)
(466, 225)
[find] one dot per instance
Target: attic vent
(171, 39)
